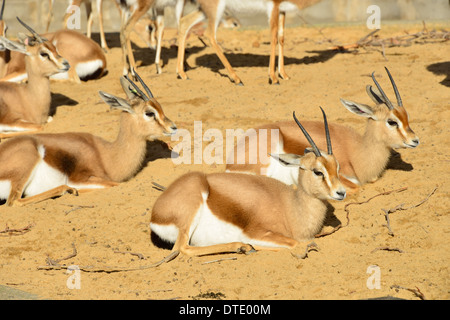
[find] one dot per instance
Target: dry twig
(371, 40)
(52, 262)
(416, 291)
(139, 255)
(17, 232)
(400, 207)
(322, 234)
(108, 269)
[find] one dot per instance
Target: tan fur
(208, 10)
(75, 47)
(361, 157)
(129, 17)
(84, 158)
(263, 208)
(90, 18)
(27, 105)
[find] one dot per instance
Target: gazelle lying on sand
(231, 212)
(38, 167)
(25, 107)
(212, 10)
(362, 158)
(86, 58)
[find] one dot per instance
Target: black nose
(341, 194)
(416, 141)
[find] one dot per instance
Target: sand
(110, 228)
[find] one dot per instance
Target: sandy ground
(101, 223)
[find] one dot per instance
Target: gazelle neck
(373, 155)
(308, 215)
(37, 90)
(125, 155)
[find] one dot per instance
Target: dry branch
(416, 291)
(322, 234)
(17, 232)
(108, 269)
(52, 262)
(374, 40)
(400, 207)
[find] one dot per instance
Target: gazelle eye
(150, 114)
(318, 173)
(392, 123)
(45, 55)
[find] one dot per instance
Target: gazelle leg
(99, 184)
(211, 34)
(182, 245)
(29, 128)
(55, 192)
(281, 25)
(160, 32)
(90, 18)
(186, 23)
(274, 24)
(126, 28)
(100, 22)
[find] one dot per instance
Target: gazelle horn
(386, 99)
(327, 132)
(308, 137)
(34, 33)
(397, 94)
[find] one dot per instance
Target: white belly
(207, 229)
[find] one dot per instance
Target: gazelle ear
(116, 102)
(287, 159)
(129, 89)
(359, 109)
(13, 46)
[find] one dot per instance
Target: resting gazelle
(231, 212)
(25, 107)
(362, 158)
(38, 167)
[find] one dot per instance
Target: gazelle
(151, 29)
(25, 107)
(362, 158)
(231, 212)
(86, 58)
(42, 166)
(131, 12)
(212, 10)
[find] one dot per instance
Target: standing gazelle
(362, 158)
(231, 212)
(38, 167)
(25, 107)
(212, 10)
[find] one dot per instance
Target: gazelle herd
(250, 206)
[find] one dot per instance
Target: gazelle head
(391, 122)
(38, 49)
(319, 171)
(149, 119)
